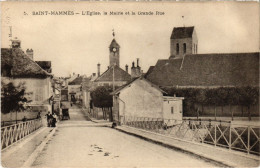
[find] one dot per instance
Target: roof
(86, 83)
(120, 75)
(149, 71)
(76, 81)
(139, 78)
(207, 70)
(44, 64)
(20, 64)
(114, 44)
(182, 32)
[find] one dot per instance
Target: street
(77, 144)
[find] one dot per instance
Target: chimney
(78, 75)
(94, 74)
(137, 62)
(133, 70)
(133, 64)
(126, 68)
(29, 52)
(98, 69)
(107, 67)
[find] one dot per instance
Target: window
(172, 110)
(177, 48)
(184, 48)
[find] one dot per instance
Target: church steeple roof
(182, 32)
(114, 44)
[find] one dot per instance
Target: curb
(219, 163)
(37, 151)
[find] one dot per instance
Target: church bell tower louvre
(114, 52)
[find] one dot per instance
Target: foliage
(12, 98)
(222, 96)
(101, 96)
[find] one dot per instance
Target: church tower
(114, 52)
(183, 41)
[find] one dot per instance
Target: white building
(141, 98)
(17, 67)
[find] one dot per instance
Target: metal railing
(11, 122)
(13, 133)
(220, 134)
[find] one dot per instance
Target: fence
(13, 133)
(7, 123)
(101, 113)
(220, 134)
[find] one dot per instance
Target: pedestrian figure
(38, 115)
(49, 119)
(54, 120)
(24, 119)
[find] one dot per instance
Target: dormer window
(177, 48)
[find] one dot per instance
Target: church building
(186, 68)
(114, 73)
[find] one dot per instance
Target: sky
(77, 43)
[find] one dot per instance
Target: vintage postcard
(130, 84)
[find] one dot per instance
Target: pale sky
(77, 43)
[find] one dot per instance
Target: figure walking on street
(54, 120)
(49, 119)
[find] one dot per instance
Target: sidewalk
(19, 153)
(99, 121)
(208, 152)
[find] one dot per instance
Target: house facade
(141, 98)
(17, 67)
(75, 89)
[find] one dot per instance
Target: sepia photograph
(130, 84)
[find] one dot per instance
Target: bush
(222, 96)
(13, 97)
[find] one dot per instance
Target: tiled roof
(149, 71)
(20, 64)
(86, 83)
(133, 80)
(46, 65)
(182, 32)
(120, 75)
(236, 69)
(77, 81)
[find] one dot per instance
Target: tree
(200, 98)
(221, 94)
(101, 98)
(232, 98)
(13, 97)
(248, 96)
(212, 99)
